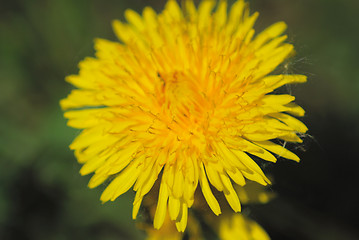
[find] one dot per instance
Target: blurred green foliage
(42, 195)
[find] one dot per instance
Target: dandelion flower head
(184, 100)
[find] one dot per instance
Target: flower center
(183, 109)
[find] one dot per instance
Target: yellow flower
(253, 193)
(184, 98)
(237, 226)
(230, 225)
(168, 231)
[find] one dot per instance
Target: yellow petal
(237, 177)
(80, 98)
(190, 10)
(276, 81)
(87, 137)
(161, 206)
(230, 194)
(279, 150)
(92, 164)
(235, 16)
(174, 10)
(83, 119)
(220, 16)
(269, 47)
(135, 19)
(229, 156)
(254, 150)
(247, 25)
(213, 177)
(178, 184)
(181, 225)
(122, 183)
(136, 205)
(255, 173)
(207, 192)
(122, 31)
(79, 82)
(174, 205)
(97, 180)
(204, 12)
(271, 61)
(269, 33)
(120, 160)
(292, 122)
(146, 183)
(294, 109)
(273, 100)
(150, 17)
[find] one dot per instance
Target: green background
(42, 195)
